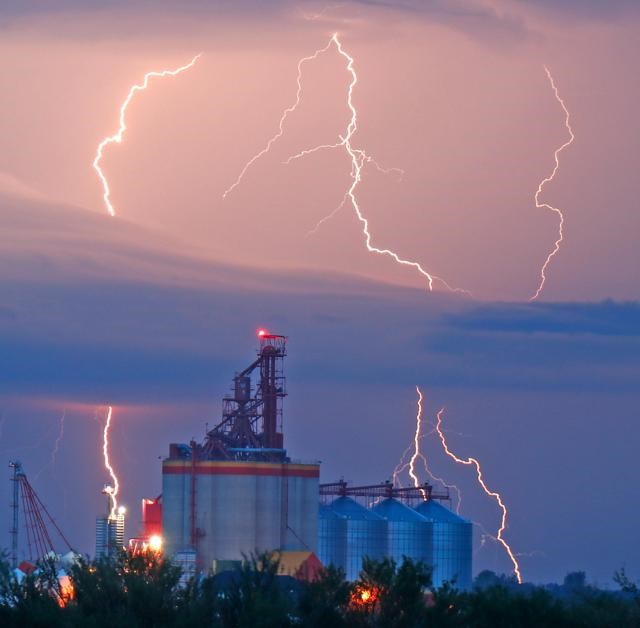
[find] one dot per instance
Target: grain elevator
(238, 491)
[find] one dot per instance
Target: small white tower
(110, 529)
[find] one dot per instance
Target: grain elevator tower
(238, 491)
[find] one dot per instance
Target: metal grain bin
(332, 538)
(366, 534)
(408, 532)
(452, 545)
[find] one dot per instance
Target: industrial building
(110, 528)
(393, 522)
(239, 492)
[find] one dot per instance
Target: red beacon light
(262, 333)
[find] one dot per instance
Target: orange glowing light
(365, 597)
(546, 180)
(66, 591)
(113, 493)
(119, 135)
(155, 543)
(474, 462)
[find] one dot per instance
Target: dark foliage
(144, 590)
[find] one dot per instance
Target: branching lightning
(474, 462)
(113, 495)
(416, 444)
(546, 180)
(418, 455)
(119, 135)
(288, 111)
(358, 159)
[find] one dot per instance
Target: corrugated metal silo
(366, 534)
(332, 537)
(452, 545)
(408, 532)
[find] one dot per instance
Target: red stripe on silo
(226, 469)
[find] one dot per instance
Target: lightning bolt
(56, 445)
(546, 180)
(418, 455)
(400, 467)
(416, 445)
(105, 453)
(368, 159)
(117, 138)
(357, 156)
(287, 112)
(474, 462)
(119, 135)
(358, 159)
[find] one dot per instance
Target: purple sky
(154, 310)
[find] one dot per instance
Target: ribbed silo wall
(302, 504)
(176, 510)
(366, 534)
(332, 538)
(267, 517)
(241, 507)
(226, 511)
(452, 545)
(409, 534)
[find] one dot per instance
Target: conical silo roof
(393, 510)
(326, 512)
(351, 509)
(433, 511)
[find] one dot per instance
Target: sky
(153, 310)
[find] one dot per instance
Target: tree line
(145, 590)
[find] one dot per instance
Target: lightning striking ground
(418, 455)
(474, 462)
(416, 445)
(119, 135)
(113, 495)
(546, 180)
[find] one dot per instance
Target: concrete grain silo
(238, 492)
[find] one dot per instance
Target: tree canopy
(145, 590)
